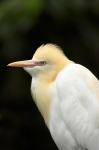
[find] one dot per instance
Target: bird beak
(26, 63)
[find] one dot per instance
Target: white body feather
(74, 118)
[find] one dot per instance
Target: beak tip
(9, 65)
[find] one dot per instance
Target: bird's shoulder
(76, 76)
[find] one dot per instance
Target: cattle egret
(67, 95)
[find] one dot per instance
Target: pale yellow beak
(25, 63)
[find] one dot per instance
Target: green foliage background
(25, 25)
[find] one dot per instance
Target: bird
(67, 95)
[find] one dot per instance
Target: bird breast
(41, 93)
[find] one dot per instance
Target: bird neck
(42, 88)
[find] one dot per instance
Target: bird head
(48, 60)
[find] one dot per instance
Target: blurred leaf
(63, 9)
(19, 15)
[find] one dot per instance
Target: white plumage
(74, 121)
(67, 96)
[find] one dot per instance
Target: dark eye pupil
(42, 62)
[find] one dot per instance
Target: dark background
(25, 25)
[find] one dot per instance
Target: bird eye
(42, 62)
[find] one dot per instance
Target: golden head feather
(49, 52)
(53, 56)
